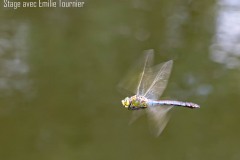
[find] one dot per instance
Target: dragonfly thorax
(135, 102)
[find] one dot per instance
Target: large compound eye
(126, 102)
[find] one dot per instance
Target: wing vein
(142, 74)
(160, 73)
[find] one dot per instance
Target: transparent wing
(135, 115)
(158, 118)
(135, 79)
(157, 78)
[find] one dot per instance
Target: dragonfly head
(126, 102)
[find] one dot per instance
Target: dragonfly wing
(135, 115)
(135, 78)
(158, 117)
(158, 77)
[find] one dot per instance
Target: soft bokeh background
(59, 68)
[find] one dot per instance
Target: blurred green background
(59, 68)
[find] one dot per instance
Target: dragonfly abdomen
(175, 103)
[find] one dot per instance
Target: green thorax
(138, 101)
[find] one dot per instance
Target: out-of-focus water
(59, 68)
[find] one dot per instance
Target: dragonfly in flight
(147, 83)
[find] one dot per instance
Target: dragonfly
(147, 83)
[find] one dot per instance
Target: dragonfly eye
(126, 102)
